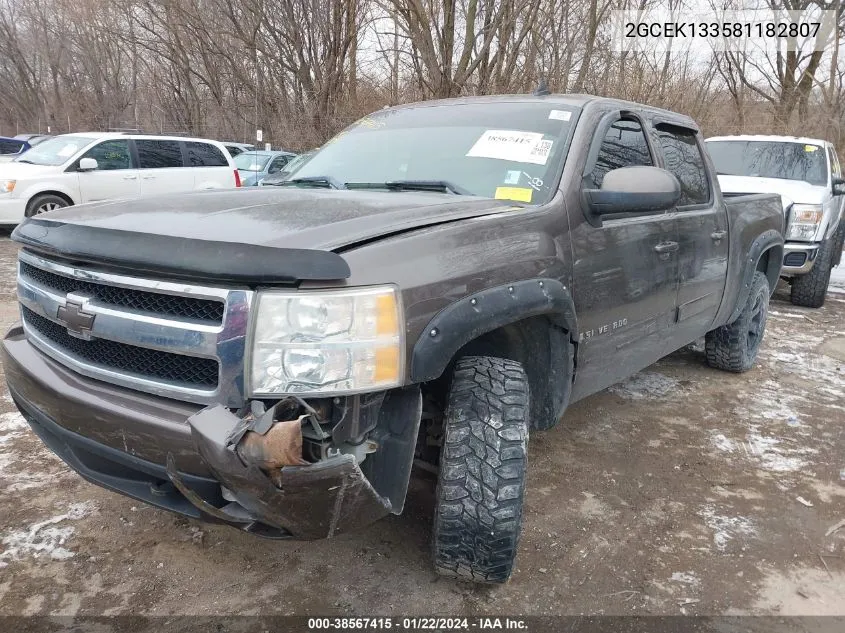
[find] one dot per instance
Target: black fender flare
(768, 240)
(482, 312)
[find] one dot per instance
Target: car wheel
(734, 347)
(43, 204)
(481, 480)
(809, 290)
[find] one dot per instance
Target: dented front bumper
(311, 502)
(179, 457)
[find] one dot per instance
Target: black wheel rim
(756, 323)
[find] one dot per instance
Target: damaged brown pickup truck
(434, 282)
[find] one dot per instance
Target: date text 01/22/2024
(417, 624)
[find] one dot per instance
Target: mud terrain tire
(809, 290)
(481, 482)
(734, 347)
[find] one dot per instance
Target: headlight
(804, 221)
(7, 186)
(327, 342)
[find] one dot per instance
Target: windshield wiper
(440, 186)
(427, 185)
(314, 181)
(22, 160)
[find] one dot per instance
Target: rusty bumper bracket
(311, 502)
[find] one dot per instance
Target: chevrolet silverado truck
(806, 173)
(433, 283)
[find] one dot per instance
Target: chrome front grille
(152, 302)
(168, 338)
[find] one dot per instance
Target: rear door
(115, 176)
(209, 165)
(702, 225)
(162, 168)
(625, 270)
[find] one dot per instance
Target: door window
(624, 145)
(111, 155)
(8, 146)
(683, 158)
(205, 155)
(278, 164)
(159, 154)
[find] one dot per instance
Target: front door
(625, 273)
(702, 225)
(115, 176)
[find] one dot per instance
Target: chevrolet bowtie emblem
(76, 321)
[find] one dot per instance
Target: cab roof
(572, 100)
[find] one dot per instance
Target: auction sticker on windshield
(519, 147)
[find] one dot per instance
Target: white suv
(86, 167)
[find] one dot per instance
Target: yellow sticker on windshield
(520, 194)
(811, 148)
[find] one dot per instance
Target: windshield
(55, 151)
(505, 150)
(770, 159)
(251, 162)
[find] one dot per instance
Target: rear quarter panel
(755, 223)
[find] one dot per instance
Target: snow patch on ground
(645, 385)
(44, 538)
(837, 278)
(723, 443)
(797, 353)
(772, 454)
(726, 528)
(11, 422)
(13, 462)
(686, 577)
(12, 426)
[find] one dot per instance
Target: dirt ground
(684, 490)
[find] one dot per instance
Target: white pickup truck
(808, 176)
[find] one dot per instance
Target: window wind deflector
(313, 181)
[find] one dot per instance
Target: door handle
(666, 247)
(130, 177)
(718, 235)
(149, 177)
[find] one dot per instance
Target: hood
(258, 234)
(19, 171)
(791, 191)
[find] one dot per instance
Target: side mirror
(633, 190)
(87, 164)
(838, 186)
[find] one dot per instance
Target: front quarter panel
(437, 266)
(66, 183)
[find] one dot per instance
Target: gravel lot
(682, 490)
